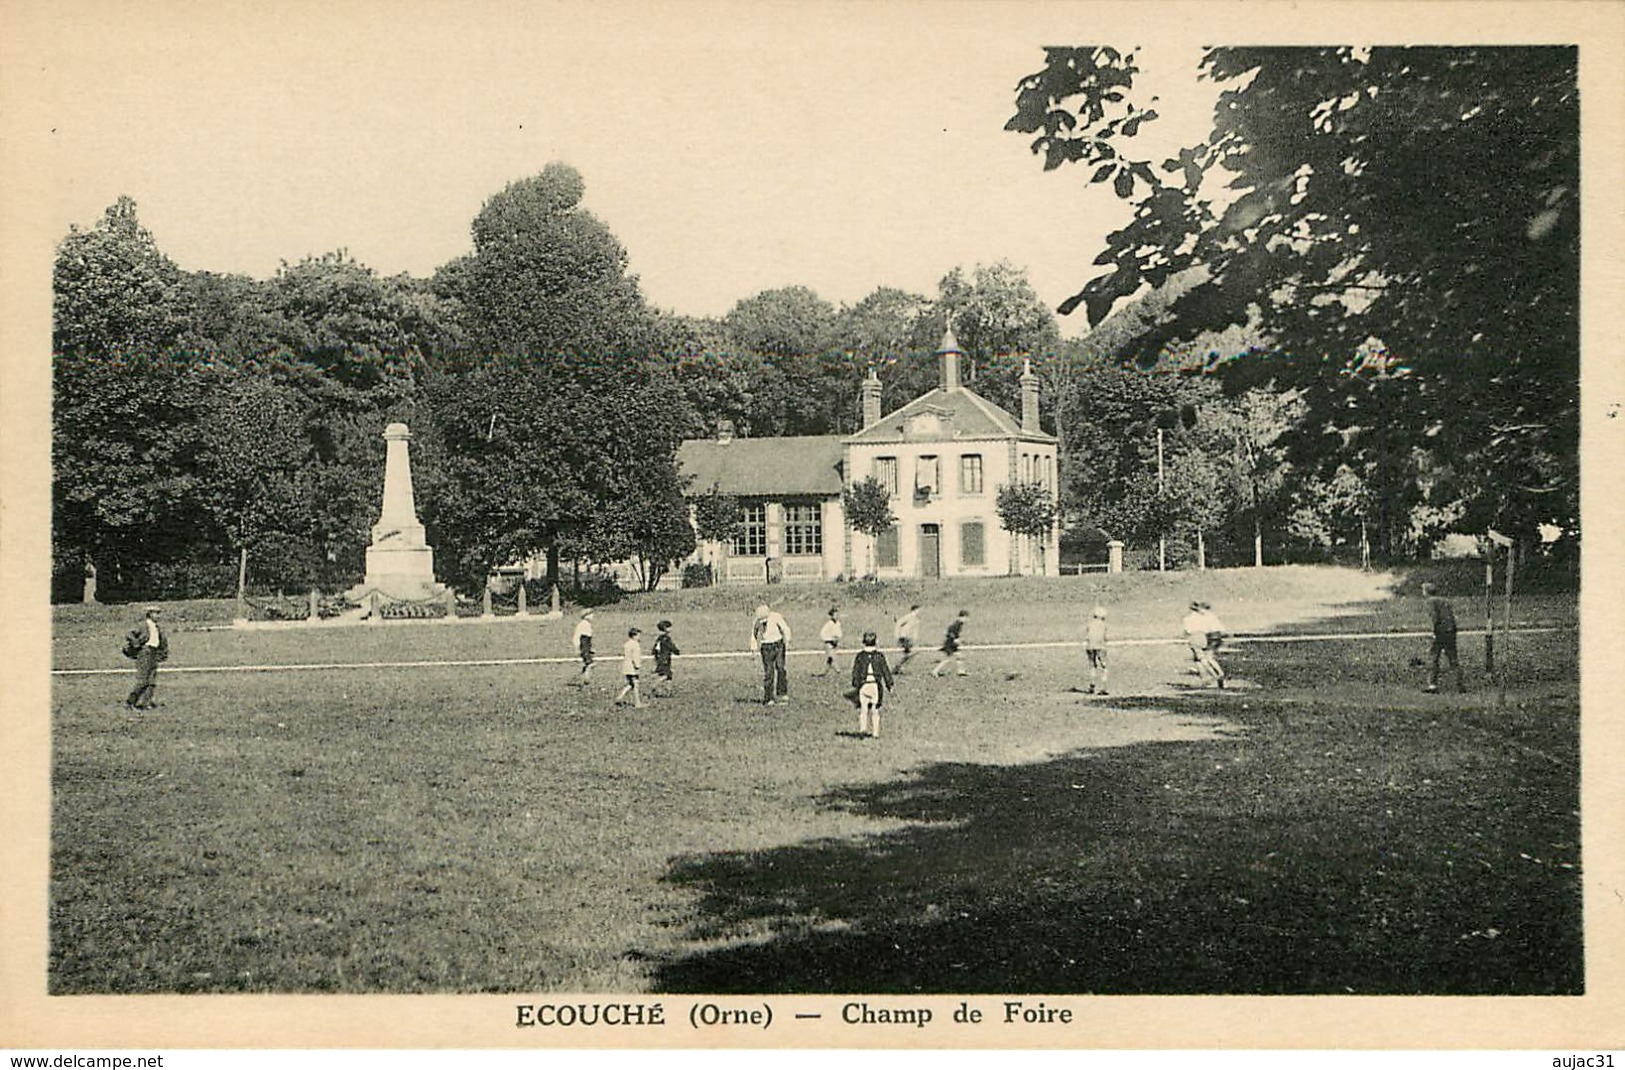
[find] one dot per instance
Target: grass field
(1322, 828)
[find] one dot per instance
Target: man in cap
(148, 645)
(770, 636)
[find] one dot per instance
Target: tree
(868, 511)
(340, 316)
(546, 279)
(645, 521)
(125, 444)
(1426, 198)
(998, 320)
(125, 405)
(524, 457)
(717, 519)
(895, 332)
(797, 371)
(1028, 510)
(113, 291)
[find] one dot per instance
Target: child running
(664, 648)
(907, 632)
(1198, 625)
(952, 644)
(830, 634)
(872, 678)
(631, 666)
(1094, 646)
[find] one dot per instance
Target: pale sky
(730, 148)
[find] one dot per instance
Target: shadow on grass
(1312, 851)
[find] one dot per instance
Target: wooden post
(315, 606)
(1489, 609)
(488, 610)
(1201, 551)
(1506, 623)
(1162, 540)
(242, 585)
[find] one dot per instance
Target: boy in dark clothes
(871, 677)
(1443, 619)
(664, 648)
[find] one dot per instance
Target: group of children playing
(872, 675)
(631, 657)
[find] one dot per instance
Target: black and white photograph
(821, 525)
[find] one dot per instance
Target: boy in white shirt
(830, 635)
(631, 667)
(581, 639)
(1094, 646)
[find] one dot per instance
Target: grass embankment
(488, 829)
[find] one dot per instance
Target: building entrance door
(930, 551)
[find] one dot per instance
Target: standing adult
(770, 636)
(1442, 618)
(148, 645)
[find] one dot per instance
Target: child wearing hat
(830, 635)
(581, 639)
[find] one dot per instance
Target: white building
(944, 456)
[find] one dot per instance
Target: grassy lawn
(1323, 828)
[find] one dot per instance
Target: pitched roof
(971, 416)
(767, 467)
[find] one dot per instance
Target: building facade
(943, 457)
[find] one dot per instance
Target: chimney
(1029, 397)
(725, 432)
(871, 398)
(949, 355)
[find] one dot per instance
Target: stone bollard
(377, 614)
(488, 610)
(315, 606)
(1114, 555)
(523, 609)
(451, 604)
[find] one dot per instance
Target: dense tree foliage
(1400, 224)
(546, 279)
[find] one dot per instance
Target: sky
(730, 148)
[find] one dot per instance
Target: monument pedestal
(400, 562)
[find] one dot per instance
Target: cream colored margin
(39, 64)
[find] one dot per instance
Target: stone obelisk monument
(400, 564)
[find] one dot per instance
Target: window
(970, 473)
(803, 530)
(886, 549)
(972, 544)
(752, 538)
(886, 474)
(927, 476)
